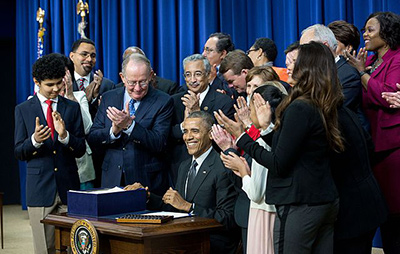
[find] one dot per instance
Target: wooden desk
(185, 235)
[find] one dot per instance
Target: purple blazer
(385, 121)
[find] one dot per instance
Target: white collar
(201, 158)
(203, 95)
(77, 76)
(43, 99)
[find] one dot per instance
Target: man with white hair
(348, 75)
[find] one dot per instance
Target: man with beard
(83, 55)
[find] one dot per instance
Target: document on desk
(100, 191)
(176, 215)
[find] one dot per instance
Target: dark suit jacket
(362, 207)
(213, 197)
(106, 85)
(220, 83)
(351, 86)
(139, 154)
(212, 102)
(167, 86)
(52, 167)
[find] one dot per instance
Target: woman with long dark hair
(300, 183)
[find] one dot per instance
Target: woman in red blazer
(380, 73)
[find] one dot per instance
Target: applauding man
(132, 126)
(49, 135)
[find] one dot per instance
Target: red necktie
(82, 84)
(49, 117)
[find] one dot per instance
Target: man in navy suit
(200, 96)
(49, 135)
(132, 125)
(203, 187)
(83, 55)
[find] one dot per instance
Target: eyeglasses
(209, 50)
(248, 51)
(197, 75)
(142, 84)
(85, 54)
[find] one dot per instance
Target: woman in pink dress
(379, 74)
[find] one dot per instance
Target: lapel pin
(204, 171)
(205, 108)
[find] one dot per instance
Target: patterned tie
(191, 176)
(81, 83)
(132, 107)
(49, 118)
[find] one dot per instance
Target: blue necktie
(132, 107)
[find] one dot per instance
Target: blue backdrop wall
(169, 30)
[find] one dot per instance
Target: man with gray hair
(167, 86)
(348, 75)
(198, 97)
(132, 126)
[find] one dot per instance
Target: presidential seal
(84, 239)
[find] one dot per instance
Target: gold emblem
(205, 108)
(83, 237)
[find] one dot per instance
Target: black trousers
(305, 229)
(360, 245)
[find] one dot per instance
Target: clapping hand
(233, 127)
(41, 132)
(59, 125)
(120, 118)
(357, 61)
(191, 101)
(237, 164)
(393, 98)
(222, 138)
(263, 111)
(243, 111)
(93, 89)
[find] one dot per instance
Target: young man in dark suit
(83, 55)
(132, 126)
(203, 187)
(199, 96)
(49, 135)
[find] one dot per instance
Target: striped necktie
(81, 83)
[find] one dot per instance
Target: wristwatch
(249, 126)
(129, 125)
(362, 73)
